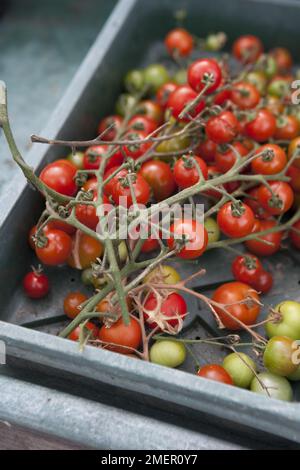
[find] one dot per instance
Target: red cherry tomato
(244, 95)
(196, 234)
(121, 192)
(180, 98)
(59, 176)
(283, 59)
(36, 284)
(222, 97)
(262, 127)
(86, 214)
(162, 95)
(246, 268)
(203, 69)
(150, 245)
(93, 156)
(294, 235)
(235, 220)
(207, 149)
(288, 128)
(109, 187)
(294, 173)
(225, 159)
(223, 128)
(57, 249)
(236, 297)
(247, 49)
(179, 41)
(151, 109)
(88, 329)
(215, 372)
(136, 150)
(253, 202)
(172, 307)
(280, 201)
(186, 172)
(258, 247)
(160, 178)
(264, 282)
(142, 123)
(121, 338)
(72, 303)
(114, 121)
(272, 161)
(53, 224)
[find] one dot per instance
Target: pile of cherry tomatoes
(220, 120)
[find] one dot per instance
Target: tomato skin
(121, 193)
(269, 164)
(226, 159)
(179, 40)
(88, 327)
(215, 372)
(278, 356)
(247, 49)
(235, 226)
(282, 190)
(186, 172)
(295, 236)
(241, 369)
(264, 282)
(207, 149)
(262, 127)
(274, 386)
(136, 150)
(122, 336)
(108, 121)
(163, 93)
(109, 187)
(142, 123)
(232, 293)
(293, 146)
(36, 285)
(53, 224)
(89, 249)
(222, 97)
(86, 214)
(151, 109)
(283, 59)
(57, 249)
(288, 323)
(201, 68)
(246, 268)
(289, 128)
(72, 303)
(59, 176)
(197, 243)
(223, 128)
(160, 178)
(259, 248)
(179, 99)
(94, 155)
(163, 274)
(168, 353)
(174, 305)
(245, 95)
(150, 245)
(253, 202)
(294, 173)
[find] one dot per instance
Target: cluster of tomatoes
(219, 122)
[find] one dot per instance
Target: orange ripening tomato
(85, 250)
(121, 338)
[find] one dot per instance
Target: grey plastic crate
(133, 37)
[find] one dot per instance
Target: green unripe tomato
(180, 77)
(125, 103)
(134, 81)
(258, 79)
(278, 356)
(270, 67)
(212, 229)
(77, 159)
(155, 76)
(168, 353)
(279, 88)
(289, 324)
(87, 277)
(277, 387)
(241, 368)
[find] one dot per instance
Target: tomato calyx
(275, 202)
(250, 262)
(237, 209)
(268, 155)
(40, 240)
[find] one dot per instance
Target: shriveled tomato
(244, 95)
(279, 201)
(223, 128)
(225, 158)
(247, 49)
(187, 171)
(262, 127)
(179, 41)
(246, 268)
(168, 312)
(72, 303)
(235, 219)
(193, 234)
(57, 248)
(204, 72)
(294, 235)
(112, 126)
(160, 178)
(273, 239)
(85, 250)
(121, 338)
(162, 95)
(59, 176)
(180, 98)
(215, 372)
(89, 330)
(240, 302)
(272, 160)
